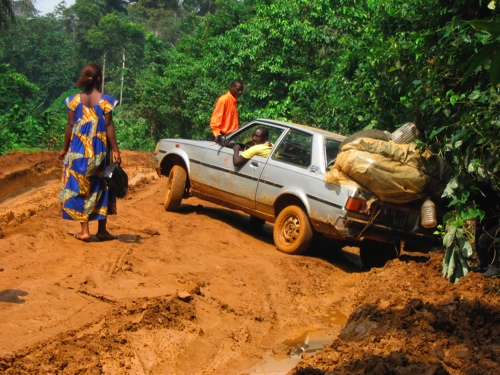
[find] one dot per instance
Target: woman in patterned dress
(89, 146)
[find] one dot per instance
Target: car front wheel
(292, 231)
(175, 188)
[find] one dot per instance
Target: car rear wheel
(175, 188)
(292, 231)
(377, 254)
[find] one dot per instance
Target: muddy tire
(176, 185)
(292, 232)
(376, 254)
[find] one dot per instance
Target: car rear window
(331, 151)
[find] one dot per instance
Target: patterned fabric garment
(84, 195)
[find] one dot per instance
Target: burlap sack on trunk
(397, 173)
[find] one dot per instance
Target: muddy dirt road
(199, 292)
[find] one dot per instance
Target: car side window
(295, 148)
(274, 134)
(331, 151)
(246, 137)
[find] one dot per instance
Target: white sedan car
(287, 188)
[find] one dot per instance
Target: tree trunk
(103, 71)
(123, 77)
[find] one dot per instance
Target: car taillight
(357, 205)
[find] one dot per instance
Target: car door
(288, 167)
(230, 185)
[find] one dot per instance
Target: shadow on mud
(331, 251)
(417, 258)
(236, 219)
(130, 238)
(456, 333)
(12, 296)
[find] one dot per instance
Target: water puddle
(334, 316)
(309, 342)
(271, 366)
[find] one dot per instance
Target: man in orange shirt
(225, 116)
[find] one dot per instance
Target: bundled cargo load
(394, 172)
(405, 134)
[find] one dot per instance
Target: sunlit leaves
(19, 127)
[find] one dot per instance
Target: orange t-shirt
(225, 116)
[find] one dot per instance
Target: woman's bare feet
(82, 237)
(106, 236)
(102, 233)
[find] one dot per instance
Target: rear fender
(289, 199)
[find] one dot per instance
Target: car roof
(309, 129)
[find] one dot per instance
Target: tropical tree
(42, 50)
(118, 41)
(10, 8)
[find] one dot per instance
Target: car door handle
(254, 163)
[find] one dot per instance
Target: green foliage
(458, 234)
(19, 127)
(8, 9)
(48, 61)
(6, 14)
(55, 118)
(489, 53)
(132, 133)
(116, 36)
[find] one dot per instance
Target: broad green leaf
(492, 27)
(474, 95)
(467, 249)
(446, 261)
(495, 67)
(475, 61)
(449, 237)
(451, 264)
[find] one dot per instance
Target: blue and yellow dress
(84, 195)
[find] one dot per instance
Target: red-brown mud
(200, 292)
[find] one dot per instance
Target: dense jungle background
(336, 65)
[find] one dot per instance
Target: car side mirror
(221, 140)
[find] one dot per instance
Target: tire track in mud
(246, 298)
(121, 263)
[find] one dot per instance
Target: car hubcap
(291, 229)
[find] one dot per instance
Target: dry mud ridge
(200, 292)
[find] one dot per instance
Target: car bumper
(385, 233)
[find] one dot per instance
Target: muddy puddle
(309, 342)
